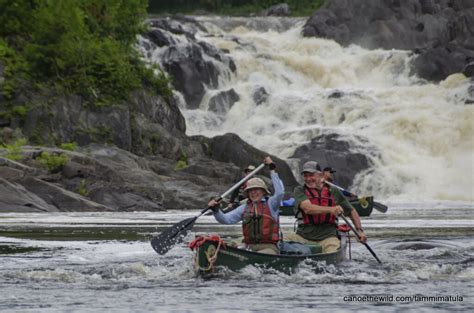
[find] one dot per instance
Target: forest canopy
(231, 7)
(81, 46)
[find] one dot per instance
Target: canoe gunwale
(236, 258)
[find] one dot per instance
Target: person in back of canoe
(238, 194)
(316, 208)
(259, 215)
(328, 175)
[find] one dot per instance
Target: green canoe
(364, 206)
(210, 257)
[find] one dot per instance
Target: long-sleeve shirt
(235, 216)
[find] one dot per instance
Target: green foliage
(10, 112)
(79, 46)
(182, 162)
(70, 146)
(232, 7)
(54, 163)
(180, 165)
(82, 189)
(20, 110)
(14, 150)
(15, 69)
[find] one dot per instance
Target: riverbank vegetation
(76, 47)
(231, 7)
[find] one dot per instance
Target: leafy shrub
(84, 47)
(82, 189)
(70, 146)
(180, 165)
(54, 163)
(182, 162)
(14, 150)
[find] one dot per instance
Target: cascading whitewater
(423, 131)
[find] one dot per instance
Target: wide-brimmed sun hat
(256, 183)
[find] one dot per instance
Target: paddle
(377, 205)
(165, 240)
(358, 236)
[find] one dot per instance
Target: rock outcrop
(331, 150)
(440, 32)
(193, 65)
(281, 9)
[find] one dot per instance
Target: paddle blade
(164, 241)
(380, 207)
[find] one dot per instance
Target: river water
(423, 169)
(85, 262)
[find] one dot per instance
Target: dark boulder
(260, 95)
(190, 72)
(218, 55)
(281, 9)
(440, 31)
(438, 63)
(223, 101)
(470, 94)
(160, 37)
(176, 26)
(331, 150)
(468, 70)
(195, 66)
(231, 148)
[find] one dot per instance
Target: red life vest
(322, 198)
(258, 224)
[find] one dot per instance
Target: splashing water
(422, 130)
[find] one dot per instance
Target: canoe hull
(235, 259)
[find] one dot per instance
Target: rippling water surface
(79, 262)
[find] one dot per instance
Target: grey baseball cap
(311, 167)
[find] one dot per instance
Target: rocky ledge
(439, 32)
(107, 178)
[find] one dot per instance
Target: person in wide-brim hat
(260, 214)
(256, 183)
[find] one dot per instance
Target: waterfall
(291, 89)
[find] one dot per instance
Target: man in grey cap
(316, 208)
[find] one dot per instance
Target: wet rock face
(440, 32)
(223, 101)
(281, 9)
(147, 124)
(331, 150)
(230, 148)
(260, 95)
(194, 65)
(106, 178)
(190, 71)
